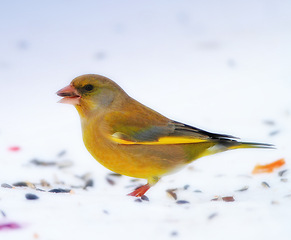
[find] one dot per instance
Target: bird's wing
(145, 132)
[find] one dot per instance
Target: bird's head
(91, 92)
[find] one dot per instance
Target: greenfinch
(131, 139)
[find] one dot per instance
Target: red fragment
(11, 225)
(14, 148)
(268, 168)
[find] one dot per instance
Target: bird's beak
(70, 95)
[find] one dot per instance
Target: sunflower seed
(5, 185)
(30, 196)
(182, 202)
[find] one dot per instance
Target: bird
(132, 139)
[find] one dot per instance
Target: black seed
(182, 202)
(110, 181)
(43, 163)
(105, 212)
(281, 173)
(31, 196)
(115, 174)
(284, 179)
(39, 189)
(138, 200)
(197, 191)
(89, 183)
(59, 190)
(135, 180)
(186, 186)
(5, 185)
(265, 184)
(3, 213)
(174, 233)
(144, 197)
(243, 189)
(20, 184)
(273, 133)
(211, 216)
(62, 153)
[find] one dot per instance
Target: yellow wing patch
(116, 137)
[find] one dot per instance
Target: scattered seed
(228, 199)
(89, 183)
(274, 202)
(273, 133)
(115, 174)
(20, 184)
(174, 233)
(288, 196)
(197, 191)
(3, 213)
(138, 200)
(242, 189)
(39, 189)
(44, 183)
(42, 163)
(5, 185)
(284, 179)
(110, 181)
(213, 215)
(216, 198)
(186, 186)
(65, 164)
(281, 173)
(24, 184)
(172, 193)
(269, 122)
(182, 202)
(144, 198)
(60, 190)
(265, 184)
(30, 196)
(135, 180)
(105, 212)
(62, 153)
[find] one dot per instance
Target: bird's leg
(140, 191)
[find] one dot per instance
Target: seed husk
(172, 193)
(265, 184)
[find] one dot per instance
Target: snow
(221, 66)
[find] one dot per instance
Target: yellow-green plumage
(134, 140)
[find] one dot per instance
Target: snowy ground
(222, 66)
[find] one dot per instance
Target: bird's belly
(141, 161)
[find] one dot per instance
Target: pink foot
(140, 191)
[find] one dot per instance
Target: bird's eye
(88, 87)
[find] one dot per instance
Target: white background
(223, 66)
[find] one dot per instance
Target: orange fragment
(268, 168)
